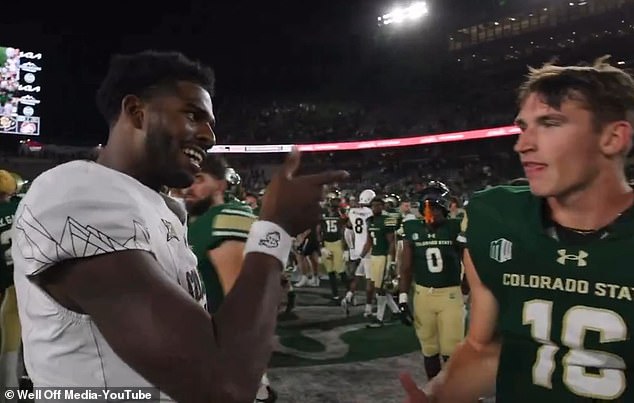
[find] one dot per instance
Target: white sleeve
(80, 216)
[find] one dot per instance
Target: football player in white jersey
(107, 287)
(358, 217)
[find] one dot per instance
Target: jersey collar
(622, 226)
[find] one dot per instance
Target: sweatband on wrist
(269, 238)
(402, 298)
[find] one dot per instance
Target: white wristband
(402, 298)
(269, 238)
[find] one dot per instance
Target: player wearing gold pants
(333, 261)
(438, 319)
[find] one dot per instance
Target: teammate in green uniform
(380, 245)
(392, 208)
(9, 319)
(218, 230)
(549, 265)
(431, 255)
(331, 237)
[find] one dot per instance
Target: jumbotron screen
(19, 91)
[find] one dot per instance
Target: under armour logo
(271, 240)
(580, 258)
(432, 236)
(171, 233)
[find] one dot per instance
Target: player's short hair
(214, 165)
(606, 91)
(142, 74)
(454, 199)
(378, 199)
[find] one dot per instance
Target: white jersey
(359, 219)
(82, 209)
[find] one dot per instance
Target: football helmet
(435, 194)
(392, 200)
(232, 177)
(366, 197)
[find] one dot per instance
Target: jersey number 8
(358, 226)
(609, 383)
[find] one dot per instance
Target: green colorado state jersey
(566, 308)
(229, 221)
(331, 225)
(436, 257)
(396, 215)
(7, 212)
(378, 229)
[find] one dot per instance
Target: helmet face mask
(434, 196)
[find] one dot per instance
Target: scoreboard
(20, 91)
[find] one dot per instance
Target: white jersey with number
(359, 219)
(78, 210)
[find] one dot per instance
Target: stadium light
(400, 15)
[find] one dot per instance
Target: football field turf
(322, 356)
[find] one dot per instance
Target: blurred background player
(219, 225)
(431, 255)
(331, 234)
(9, 319)
(392, 205)
(308, 253)
(357, 220)
(455, 210)
(253, 202)
(380, 248)
(406, 214)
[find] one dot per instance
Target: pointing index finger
(327, 177)
(291, 164)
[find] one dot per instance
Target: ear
(222, 186)
(133, 108)
(616, 138)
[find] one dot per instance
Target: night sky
(259, 49)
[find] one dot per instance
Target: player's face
(178, 133)
(199, 195)
(453, 206)
(438, 213)
(405, 207)
(251, 201)
(559, 149)
(377, 207)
